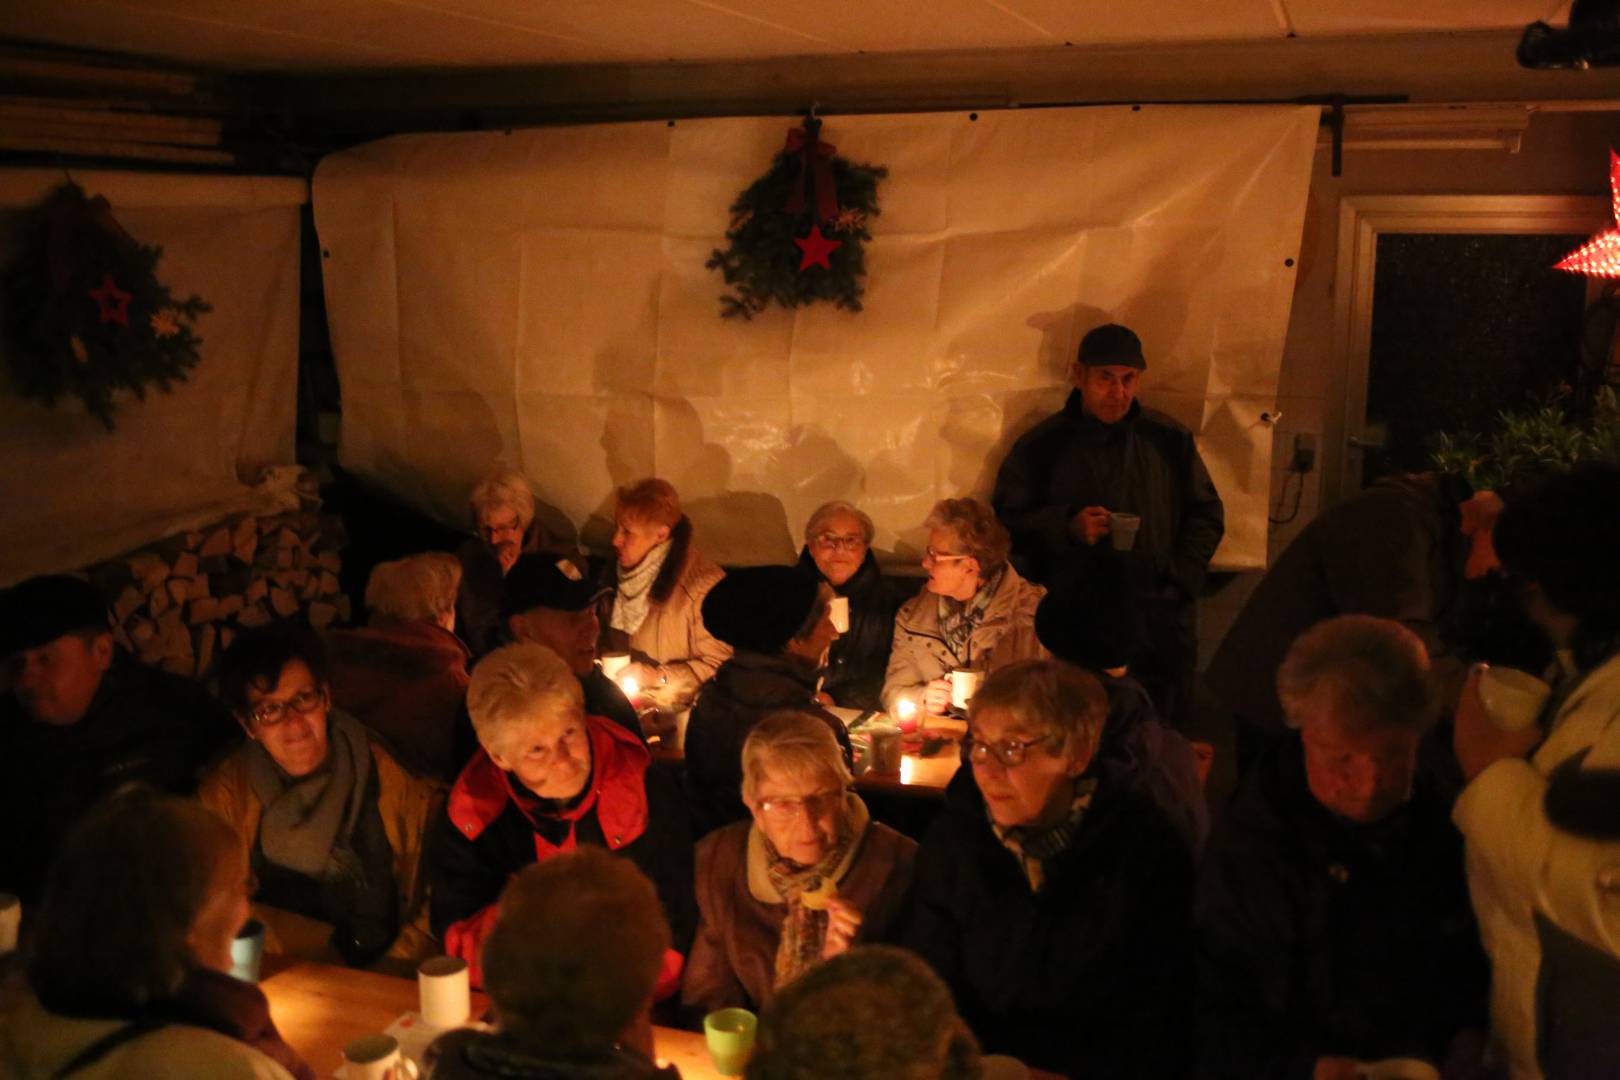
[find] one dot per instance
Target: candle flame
(630, 687)
(905, 708)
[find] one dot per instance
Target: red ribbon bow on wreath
(815, 167)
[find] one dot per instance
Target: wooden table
(319, 1009)
(918, 775)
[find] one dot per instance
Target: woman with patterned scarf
(807, 877)
(1056, 904)
(658, 583)
(974, 612)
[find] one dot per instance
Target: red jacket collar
(618, 789)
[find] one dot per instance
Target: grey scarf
(634, 594)
(308, 820)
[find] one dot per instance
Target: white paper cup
(446, 992)
(10, 920)
(964, 684)
(247, 951)
(614, 662)
(838, 611)
(377, 1057)
(886, 748)
(1122, 529)
(1512, 698)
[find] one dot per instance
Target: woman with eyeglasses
(838, 547)
(975, 611)
(809, 874)
(331, 824)
(1056, 905)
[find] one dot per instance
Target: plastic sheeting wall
(73, 492)
(540, 297)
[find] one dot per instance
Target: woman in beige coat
(655, 609)
(975, 611)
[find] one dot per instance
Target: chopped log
(283, 602)
(149, 570)
(205, 648)
(198, 589)
(203, 610)
(312, 588)
(226, 636)
(258, 590)
(185, 565)
(284, 558)
(245, 539)
(343, 607)
(179, 589)
(230, 605)
(126, 604)
(159, 602)
(288, 538)
(255, 615)
(218, 543)
(321, 615)
(331, 560)
(193, 540)
(142, 631)
(329, 584)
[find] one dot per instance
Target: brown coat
(1007, 633)
(405, 804)
(733, 960)
(673, 635)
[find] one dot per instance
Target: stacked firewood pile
(179, 603)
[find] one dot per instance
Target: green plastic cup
(730, 1036)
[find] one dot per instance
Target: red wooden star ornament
(1600, 256)
(113, 301)
(816, 248)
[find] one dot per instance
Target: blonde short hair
(793, 743)
(1370, 672)
(419, 587)
(652, 501)
(975, 527)
(511, 684)
(827, 511)
(1050, 696)
(503, 489)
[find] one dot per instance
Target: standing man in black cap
(1105, 473)
(547, 600)
(82, 718)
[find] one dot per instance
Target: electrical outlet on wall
(1304, 459)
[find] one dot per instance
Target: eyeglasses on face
(272, 713)
(815, 805)
(1010, 752)
(943, 556)
(835, 542)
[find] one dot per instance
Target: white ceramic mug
(446, 994)
(964, 684)
(377, 1057)
(1512, 698)
(838, 611)
(614, 662)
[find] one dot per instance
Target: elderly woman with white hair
(404, 674)
(1055, 903)
(549, 778)
(838, 546)
(502, 510)
(974, 612)
(808, 876)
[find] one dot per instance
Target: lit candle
(905, 715)
(630, 687)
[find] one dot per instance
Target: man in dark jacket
(776, 619)
(1333, 907)
(838, 546)
(548, 601)
(1104, 454)
(82, 719)
(548, 779)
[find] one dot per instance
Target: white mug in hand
(964, 684)
(446, 992)
(1512, 698)
(838, 612)
(377, 1057)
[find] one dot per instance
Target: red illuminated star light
(816, 248)
(113, 301)
(1600, 256)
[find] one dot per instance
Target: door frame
(1362, 219)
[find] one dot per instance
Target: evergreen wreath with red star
(83, 314)
(797, 233)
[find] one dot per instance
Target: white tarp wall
(73, 492)
(540, 297)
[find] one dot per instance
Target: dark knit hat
(1112, 343)
(541, 580)
(1090, 621)
(760, 608)
(42, 609)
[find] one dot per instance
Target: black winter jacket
(858, 660)
(1090, 977)
(1323, 937)
(1147, 464)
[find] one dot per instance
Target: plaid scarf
(804, 930)
(1033, 847)
(958, 619)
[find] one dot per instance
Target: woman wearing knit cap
(776, 619)
(808, 876)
